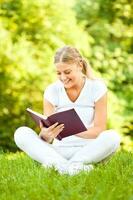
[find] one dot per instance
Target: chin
(67, 85)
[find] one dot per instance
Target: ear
(80, 65)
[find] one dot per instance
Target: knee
(113, 139)
(20, 135)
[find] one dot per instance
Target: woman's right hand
(48, 134)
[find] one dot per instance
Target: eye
(68, 72)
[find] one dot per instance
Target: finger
(58, 129)
(40, 123)
(59, 126)
(53, 126)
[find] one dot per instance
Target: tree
(109, 27)
(30, 33)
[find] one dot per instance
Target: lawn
(24, 179)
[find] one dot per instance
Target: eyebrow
(64, 70)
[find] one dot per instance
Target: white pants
(90, 151)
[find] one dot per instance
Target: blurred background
(30, 33)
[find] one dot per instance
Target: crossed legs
(100, 148)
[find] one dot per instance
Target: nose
(63, 77)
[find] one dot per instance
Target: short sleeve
(99, 89)
(51, 94)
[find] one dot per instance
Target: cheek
(74, 76)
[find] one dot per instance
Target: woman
(75, 88)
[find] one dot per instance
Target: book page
(36, 113)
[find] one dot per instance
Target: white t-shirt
(84, 105)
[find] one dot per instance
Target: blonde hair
(68, 54)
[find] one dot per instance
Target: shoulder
(97, 83)
(51, 92)
(99, 88)
(53, 86)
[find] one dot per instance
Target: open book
(72, 122)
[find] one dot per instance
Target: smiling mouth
(66, 81)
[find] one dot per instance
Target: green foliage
(31, 31)
(109, 25)
(22, 178)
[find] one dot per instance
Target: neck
(79, 85)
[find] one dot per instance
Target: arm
(48, 134)
(48, 108)
(100, 119)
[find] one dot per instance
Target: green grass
(24, 179)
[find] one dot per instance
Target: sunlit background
(30, 33)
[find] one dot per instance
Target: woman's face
(69, 74)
